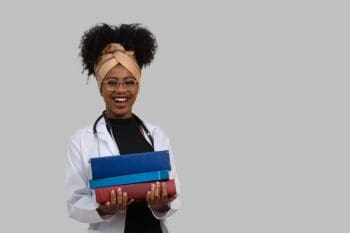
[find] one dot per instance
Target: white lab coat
(81, 201)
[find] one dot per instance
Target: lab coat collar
(101, 129)
(104, 135)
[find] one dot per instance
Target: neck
(112, 115)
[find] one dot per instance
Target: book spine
(129, 179)
(110, 166)
(138, 191)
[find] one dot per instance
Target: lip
(120, 104)
(120, 96)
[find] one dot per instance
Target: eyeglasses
(112, 84)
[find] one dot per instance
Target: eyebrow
(127, 77)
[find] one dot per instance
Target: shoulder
(160, 137)
(82, 132)
(99, 125)
(155, 130)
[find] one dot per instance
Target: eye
(129, 82)
(112, 82)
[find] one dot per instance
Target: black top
(129, 139)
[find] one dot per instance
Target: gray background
(253, 94)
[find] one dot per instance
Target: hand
(117, 204)
(158, 197)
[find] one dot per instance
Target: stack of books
(133, 173)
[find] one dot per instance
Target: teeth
(120, 99)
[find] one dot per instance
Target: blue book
(110, 166)
(129, 179)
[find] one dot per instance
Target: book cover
(110, 166)
(129, 179)
(138, 191)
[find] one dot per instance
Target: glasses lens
(112, 84)
(129, 83)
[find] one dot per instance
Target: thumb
(172, 198)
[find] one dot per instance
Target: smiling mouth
(120, 100)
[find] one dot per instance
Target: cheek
(106, 97)
(134, 94)
(136, 91)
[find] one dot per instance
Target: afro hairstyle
(131, 36)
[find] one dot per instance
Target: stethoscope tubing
(139, 121)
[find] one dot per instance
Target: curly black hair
(131, 36)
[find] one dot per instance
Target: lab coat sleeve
(81, 202)
(175, 204)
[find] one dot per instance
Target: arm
(81, 201)
(165, 206)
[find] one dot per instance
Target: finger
(164, 190)
(152, 192)
(157, 191)
(119, 196)
(108, 204)
(130, 201)
(125, 200)
(113, 197)
(148, 197)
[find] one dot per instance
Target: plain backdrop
(253, 94)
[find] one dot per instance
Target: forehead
(119, 71)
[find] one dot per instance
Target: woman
(115, 56)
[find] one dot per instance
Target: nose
(120, 87)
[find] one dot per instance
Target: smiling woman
(119, 99)
(116, 56)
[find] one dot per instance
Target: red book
(137, 191)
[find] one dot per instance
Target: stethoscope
(109, 128)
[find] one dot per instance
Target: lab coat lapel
(106, 141)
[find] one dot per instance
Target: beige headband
(112, 55)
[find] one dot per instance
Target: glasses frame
(120, 82)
